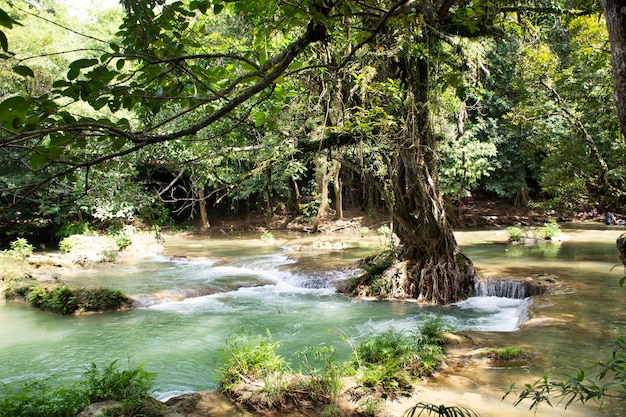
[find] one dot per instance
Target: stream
(198, 291)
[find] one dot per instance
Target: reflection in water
(192, 304)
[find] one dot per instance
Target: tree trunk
(431, 266)
(615, 13)
(202, 206)
(324, 178)
(338, 193)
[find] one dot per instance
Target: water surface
(198, 291)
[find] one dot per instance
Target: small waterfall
(308, 281)
(509, 288)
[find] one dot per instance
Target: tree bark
(615, 13)
(431, 267)
(202, 207)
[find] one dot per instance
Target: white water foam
(495, 314)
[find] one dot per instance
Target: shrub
(388, 362)
(20, 249)
(363, 231)
(516, 233)
(73, 228)
(247, 358)
(131, 387)
(319, 364)
(511, 352)
(101, 299)
(67, 244)
(550, 229)
(58, 300)
(38, 398)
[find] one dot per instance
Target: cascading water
(508, 288)
(219, 286)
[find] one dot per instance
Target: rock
(99, 409)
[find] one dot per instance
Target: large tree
(169, 55)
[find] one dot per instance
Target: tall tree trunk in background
(202, 207)
(324, 178)
(338, 188)
(615, 12)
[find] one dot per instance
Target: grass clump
(253, 361)
(130, 387)
(389, 362)
(66, 300)
(508, 353)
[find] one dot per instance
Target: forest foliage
(162, 122)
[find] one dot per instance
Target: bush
(58, 300)
(101, 299)
(247, 358)
(65, 300)
(20, 249)
(388, 362)
(131, 387)
(508, 353)
(320, 366)
(73, 228)
(67, 244)
(516, 233)
(550, 230)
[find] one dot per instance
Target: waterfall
(509, 288)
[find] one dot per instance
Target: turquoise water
(192, 305)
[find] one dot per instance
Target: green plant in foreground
(320, 365)
(58, 300)
(439, 410)
(608, 382)
(248, 358)
(131, 387)
(389, 361)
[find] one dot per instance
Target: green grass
(508, 353)
(131, 387)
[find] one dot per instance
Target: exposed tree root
(434, 282)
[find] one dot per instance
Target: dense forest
(156, 112)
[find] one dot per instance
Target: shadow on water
(199, 291)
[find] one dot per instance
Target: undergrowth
(130, 387)
(389, 364)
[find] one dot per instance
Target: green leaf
(118, 143)
(217, 8)
(100, 102)
(621, 281)
(38, 160)
(120, 64)
(14, 104)
(4, 42)
(6, 20)
(84, 63)
(73, 73)
(259, 118)
(24, 71)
